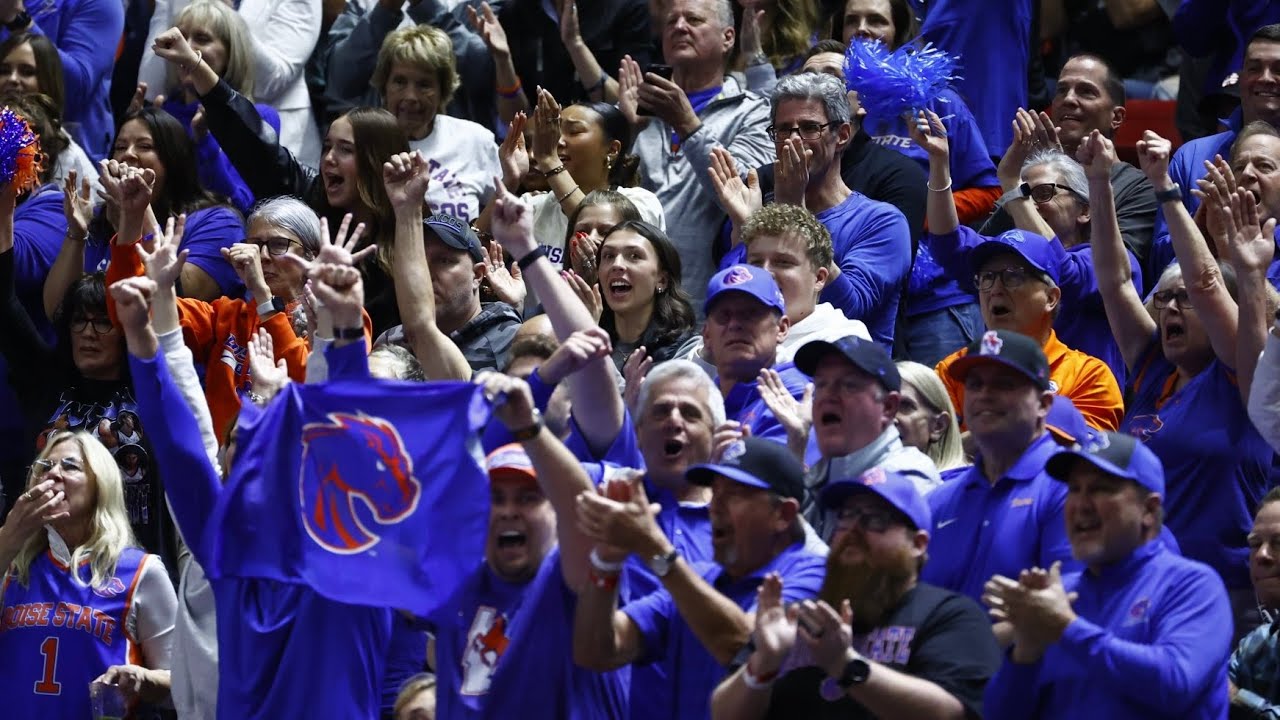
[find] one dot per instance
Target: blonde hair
(223, 22)
(421, 45)
(109, 533)
(411, 689)
(948, 451)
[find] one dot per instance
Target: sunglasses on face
(1044, 192)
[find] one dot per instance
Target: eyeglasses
(42, 467)
(871, 520)
(101, 325)
(1164, 297)
(1045, 192)
(808, 131)
(1011, 278)
(276, 246)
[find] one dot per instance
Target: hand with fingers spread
(1249, 242)
(512, 155)
(268, 375)
(546, 132)
(1153, 157)
(1037, 605)
(791, 172)
(340, 249)
(138, 683)
(1044, 134)
(1009, 170)
(588, 293)
(775, 631)
(406, 177)
(634, 371)
(486, 25)
(512, 400)
(629, 525)
(795, 416)
(630, 78)
(40, 505)
(512, 224)
(749, 38)
(164, 261)
(1097, 154)
(507, 284)
(77, 206)
(828, 634)
(575, 353)
(930, 134)
(739, 199)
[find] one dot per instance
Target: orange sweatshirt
(218, 334)
(1082, 378)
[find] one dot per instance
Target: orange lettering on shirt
(85, 620)
(60, 615)
(45, 610)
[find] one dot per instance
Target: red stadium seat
(1143, 115)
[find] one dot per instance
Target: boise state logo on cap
(991, 343)
(733, 453)
(874, 476)
(1011, 236)
(737, 275)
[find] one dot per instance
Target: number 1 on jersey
(47, 685)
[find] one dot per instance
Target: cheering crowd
(621, 360)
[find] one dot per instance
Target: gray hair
(406, 363)
(291, 214)
(685, 370)
(1071, 172)
(824, 88)
(724, 10)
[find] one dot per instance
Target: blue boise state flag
(371, 493)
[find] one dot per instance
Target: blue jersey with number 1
(57, 636)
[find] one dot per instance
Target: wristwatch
(856, 672)
(1024, 190)
(1173, 194)
(661, 564)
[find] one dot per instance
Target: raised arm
(86, 58)
(406, 176)
(354, 57)
(928, 132)
(1200, 270)
(1249, 245)
(600, 419)
(282, 44)
(1131, 324)
(1030, 130)
(68, 266)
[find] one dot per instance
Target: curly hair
(781, 219)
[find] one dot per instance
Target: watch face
(855, 673)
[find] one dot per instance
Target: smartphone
(664, 71)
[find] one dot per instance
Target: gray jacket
(735, 120)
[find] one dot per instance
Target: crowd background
(805, 400)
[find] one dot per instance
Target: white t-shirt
(463, 158)
(550, 224)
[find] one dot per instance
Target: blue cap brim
(705, 474)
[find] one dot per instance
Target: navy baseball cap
(866, 355)
(754, 281)
(1036, 249)
(1114, 453)
(758, 463)
(455, 233)
(1007, 348)
(895, 488)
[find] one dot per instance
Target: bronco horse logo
(350, 458)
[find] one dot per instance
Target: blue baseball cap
(1066, 422)
(757, 463)
(455, 233)
(894, 487)
(1008, 348)
(866, 355)
(754, 281)
(1114, 453)
(1036, 249)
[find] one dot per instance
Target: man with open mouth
(1137, 610)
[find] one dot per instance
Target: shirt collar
(1028, 467)
(1123, 571)
(724, 584)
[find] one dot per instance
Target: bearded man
(894, 648)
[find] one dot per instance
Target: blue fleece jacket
(86, 33)
(1150, 640)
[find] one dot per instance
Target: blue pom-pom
(16, 159)
(903, 81)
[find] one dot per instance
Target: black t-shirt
(933, 634)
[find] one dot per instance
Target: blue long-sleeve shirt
(86, 33)
(39, 227)
(1082, 323)
(1151, 640)
(274, 640)
(214, 168)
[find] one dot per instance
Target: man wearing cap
(856, 390)
(1022, 278)
(1003, 514)
(1146, 634)
(500, 639)
(917, 650)
(483, 332)
(1254, 670)
(746, 321)
(701, 617)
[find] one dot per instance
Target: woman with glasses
(218, 332)
(1054, 204)
(80, 598)
(1192, 353)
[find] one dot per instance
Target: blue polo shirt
(691, 671)
(1217, 466)
(1151, 640)
(503, 650)
(744, 404)
(980, 529)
